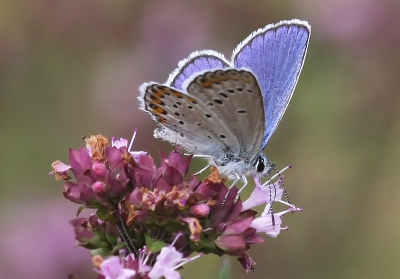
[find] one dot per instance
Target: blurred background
(70, 68)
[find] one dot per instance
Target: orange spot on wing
(193, 101)
(162, 91)
(234, 75)
(247, 78)
(159, 111)
(159, 94)
(223, 76)
(158, 102)
(165, 91)
(215, 79)
(206, 83)
(177, 94)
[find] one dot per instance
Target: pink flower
(269, 224)
(200, 210)
(263, 194)
(119, 143)
(168, 261)
(113, 268)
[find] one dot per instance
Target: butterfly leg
(199, 156)
(229, 189)
(244, 179)
(234, 183)
(202, 170)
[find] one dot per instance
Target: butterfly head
(263, 166)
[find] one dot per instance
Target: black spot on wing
(218, 101)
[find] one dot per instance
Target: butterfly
(226, 111)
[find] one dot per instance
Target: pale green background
(69, 68)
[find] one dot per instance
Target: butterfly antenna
(283, 185)
(272, 201)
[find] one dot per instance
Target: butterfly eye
(260, 164)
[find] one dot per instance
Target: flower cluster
(154, 212)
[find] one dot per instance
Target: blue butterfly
(226, 111)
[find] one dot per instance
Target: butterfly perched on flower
(227, 110)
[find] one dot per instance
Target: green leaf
(112, 233)
(102, 245)
(205, 246)
(148, 239)
(80, 209)
(118, 247)
(175, 226)
(103, 213)
(101, 252)
(154, 246)
(93, 240)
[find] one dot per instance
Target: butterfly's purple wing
(198, 61)
(276, 55)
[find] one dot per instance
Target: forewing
(234, 99)
(198, 61)
(276, 55)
